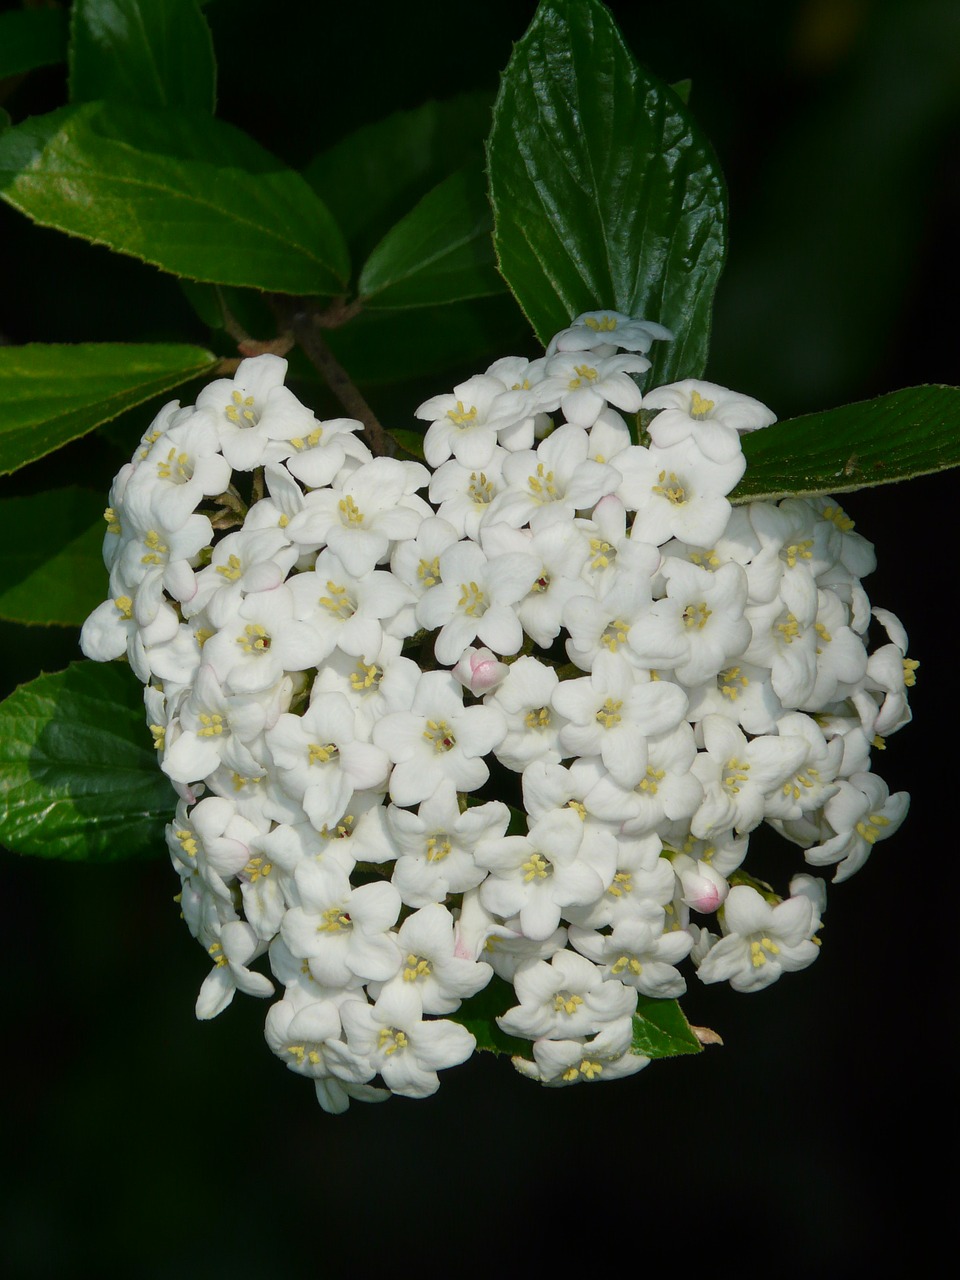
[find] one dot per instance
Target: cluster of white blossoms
(514, 716)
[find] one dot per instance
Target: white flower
(441, 978)
(638, 953)
(406, 1051)
(438, 738)
(567, 997)
(761, 941)
(710, 415)
(256, 413)
(231, 953)
(475, 598)
(541, 874)
(608, 1056)
(437, 845)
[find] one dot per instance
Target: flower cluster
(521, 726)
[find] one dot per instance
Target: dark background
(818, 1139)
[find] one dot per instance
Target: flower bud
(480, 670)
(703, 889)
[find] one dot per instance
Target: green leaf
(141, 51)
(682, 89)
(52, 394)
(374, 176)
(605, 193)
(79, 778)
(907, 433)
(51, 561)
(31, 38)
(410, 441)
(178, 189)
(479, 1013)
(660, 1030)
(440, 252)
(4, 119)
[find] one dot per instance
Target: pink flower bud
(703, 889)
(480, 670)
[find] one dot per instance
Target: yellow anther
(837, 516)
(480, 490)
(602, 553)
(472, 600)
(254, 639)
(283, 520)
(542, 485)
(213, 725)
(159, 734)
(731, 682)
(797, 551)
(706, 560)
(564, 1003)
(578, 808)
(428, 571)
(256, 868)
(609, 713)
(341, 831)
(462, 417)
(438, 846)
(879, 742)
(156, 549)
(585, 373)
(203, 634)
(366, 677)
(789, 629)
(439, 733)
(338, 602)
(669, 487)
(175, 467)
(124, 607)
(910, 672)
(606, 324)
(627, 962)
(241, 412)
(615, 634)
(542, 583)
(215, 952)
(537, 718)
(188, 842)
(350, 513)
(648, 784)
(590, 1069)
(870, 830)
(536, 868)
(416, 967)
(317, 754)
(734, 772)
(696, 615)
(700, 407)
(622, 883)
(232, 569)
(391, 1039)
(113, 524)
(335, 920)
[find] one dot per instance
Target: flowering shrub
(510, 737)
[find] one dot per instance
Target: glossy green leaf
(440, 252)
(660, 1030)
(479, 1013)
(52, 394)
(907, 433)
(51, 561)
(178, 189)
(682, 89)
(375, 175)
(605, 193)
(410, 441)
(31, 38)
(141, 51)
(79, 777)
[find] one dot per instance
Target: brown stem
(306, 325)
